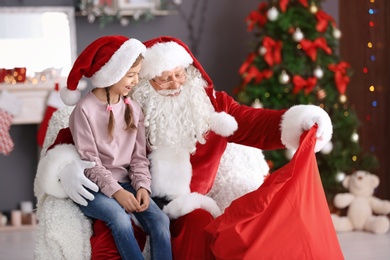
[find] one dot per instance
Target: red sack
(287, 217)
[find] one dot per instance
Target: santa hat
(166, 53)
(105, 61)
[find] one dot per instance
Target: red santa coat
(258, 128)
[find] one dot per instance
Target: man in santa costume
(188, 125)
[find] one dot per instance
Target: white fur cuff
(188, 203)
(50, 166)
(223, 123)
(301, 118)
(171, 172)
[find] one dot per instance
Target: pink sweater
(121, 160)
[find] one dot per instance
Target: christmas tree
(295, 61)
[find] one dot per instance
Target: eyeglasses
(179, 78)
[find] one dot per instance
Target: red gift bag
(287, 217)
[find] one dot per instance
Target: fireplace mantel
(34, 97)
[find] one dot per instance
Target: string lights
(371, 50)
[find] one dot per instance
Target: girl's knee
(165, 219)
(120, 221)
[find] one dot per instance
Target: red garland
(300, 83)
(323, 20)
(340, 75)
(273, 53)
(310, 47)
(283, 4)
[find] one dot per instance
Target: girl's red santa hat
(105, 61)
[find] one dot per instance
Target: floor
(19, 245)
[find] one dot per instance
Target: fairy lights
(371, 45)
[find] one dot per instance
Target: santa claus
(188, 125)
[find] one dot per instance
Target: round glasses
(164, 84)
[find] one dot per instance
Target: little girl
(108, 129)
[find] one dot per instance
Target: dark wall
(223, 46)
(374, 131)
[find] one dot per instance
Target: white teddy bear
(365, 212)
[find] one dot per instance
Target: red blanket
(286, 218)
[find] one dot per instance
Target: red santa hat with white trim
(105, 61)
(166, 53)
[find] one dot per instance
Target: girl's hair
(128, 113)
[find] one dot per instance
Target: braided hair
(128, 116)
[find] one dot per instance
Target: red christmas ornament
(270, 164)
(321, 94)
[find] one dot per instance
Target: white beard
(174, 125)
(179, 121)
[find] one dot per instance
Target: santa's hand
(301, 118)
(75, 182)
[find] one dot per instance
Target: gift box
(3, 73)
(19, 74)
(9, 76)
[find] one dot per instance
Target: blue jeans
(154, 222)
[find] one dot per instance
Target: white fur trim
(70, 97)
(242, 170)
(63, 231)
(171, 172)
(163, 57)
(59, 120)
(119, 63)
(300, 118)
(223, 123)
(49, 168)
(185, 204)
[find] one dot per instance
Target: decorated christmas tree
(295, 61)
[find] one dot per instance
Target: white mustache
(167, 92)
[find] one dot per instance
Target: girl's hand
(143, 199)
(127, 201)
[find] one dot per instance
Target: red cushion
(103, 244)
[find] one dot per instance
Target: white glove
(75, 182)
(301, 118)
